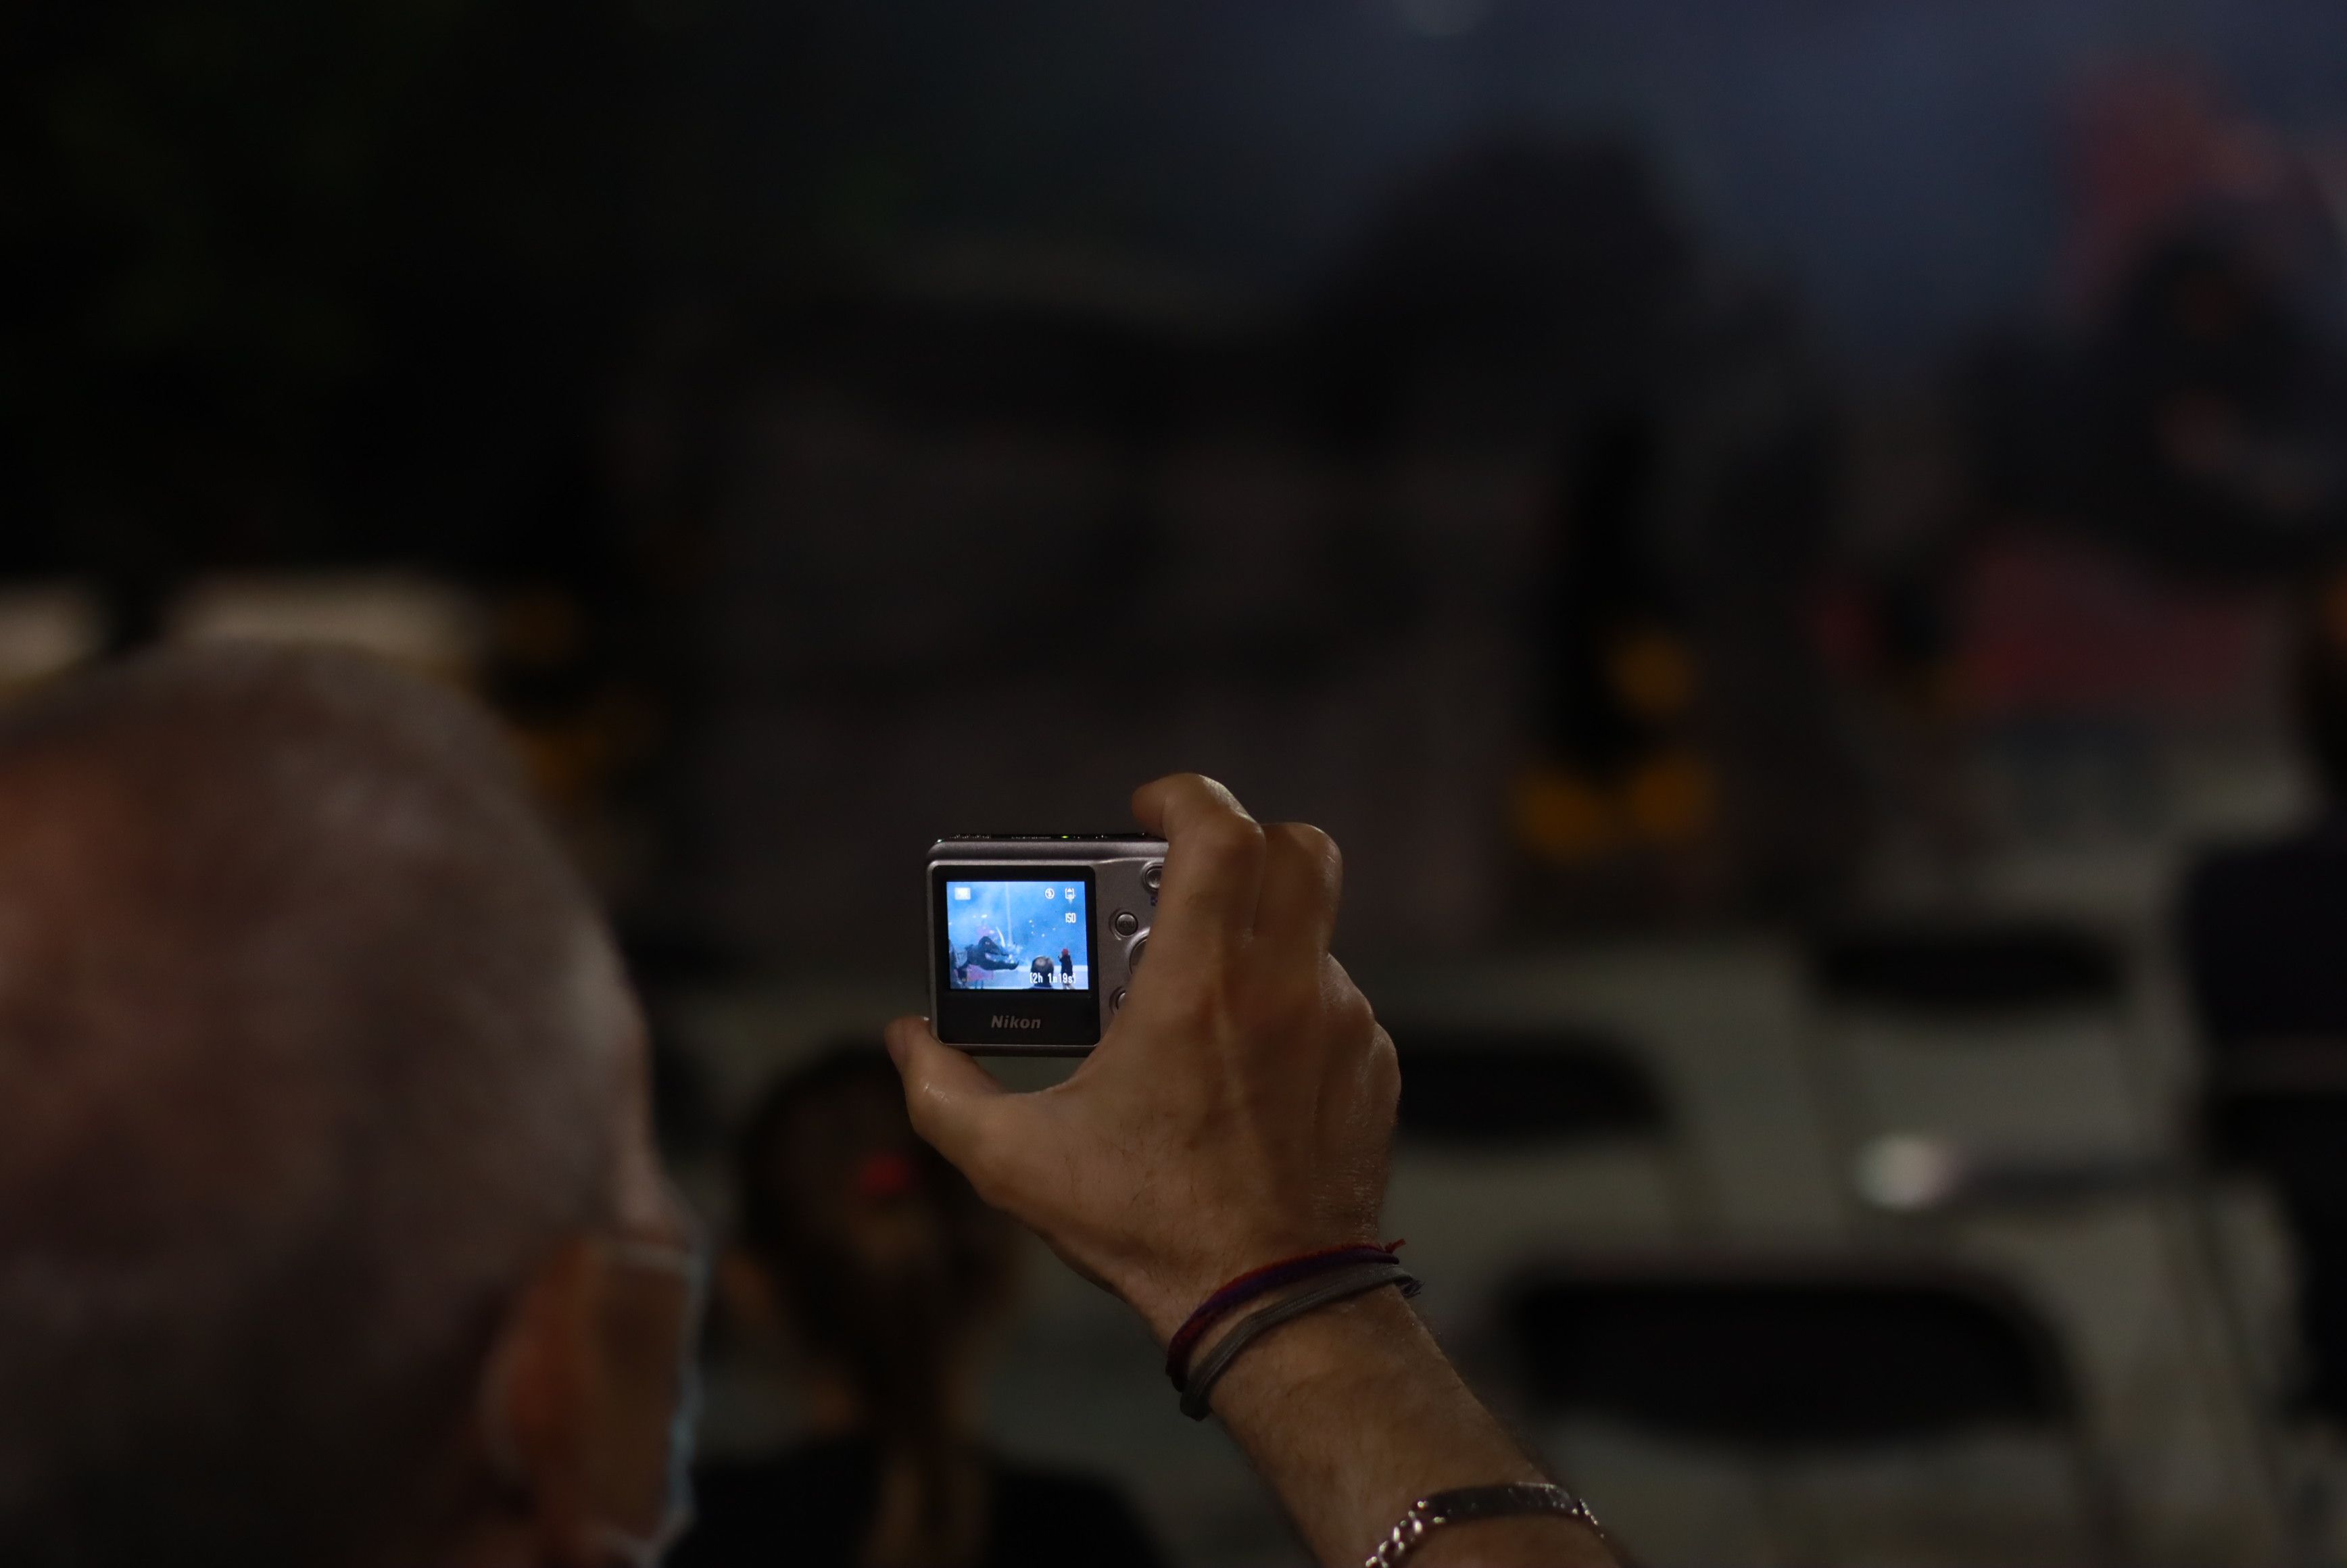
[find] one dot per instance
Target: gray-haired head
(309, 1048)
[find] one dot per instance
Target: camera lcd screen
(1023, 934)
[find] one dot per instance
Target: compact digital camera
(1033, 939)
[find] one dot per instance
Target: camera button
(1116, 1002)
(1150, 876)
(1134, 963)
(1126, 922)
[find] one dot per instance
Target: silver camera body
(1033, 939)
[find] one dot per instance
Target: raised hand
(1238, 1110)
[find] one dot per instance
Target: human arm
(1352, 1413)
(1238, 1112)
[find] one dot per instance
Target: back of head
(308, 1043)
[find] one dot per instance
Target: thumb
(947, 1094)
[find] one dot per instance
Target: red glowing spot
(884, 1176)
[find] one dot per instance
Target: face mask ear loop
(638, 1552)
(632, 1552)
(690, 1263)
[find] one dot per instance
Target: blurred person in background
(872, 1256)
(331, 1228)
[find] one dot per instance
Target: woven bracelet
(1256, 1283)
(1358, 1279)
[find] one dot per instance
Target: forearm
(1352, 1413)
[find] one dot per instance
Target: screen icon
(1072, 916)
(1072, 893)
(1050, 892)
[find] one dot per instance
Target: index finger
(1303, 877)
(1214, 863)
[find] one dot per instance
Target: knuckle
(1286, 1004)
(1196, 1005)
(1224, 850)
(1311, 844)
(1379, 1079)
(1350, 1012)
(1229, 837)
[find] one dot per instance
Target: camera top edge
(1039, 849)
(954, 839)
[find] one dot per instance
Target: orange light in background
(1652, 674)
(1671, 800)
(1560, 816)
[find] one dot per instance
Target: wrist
(1265, 1297)
(1356, 1408)
(1372, 1349)
(1167, 1300)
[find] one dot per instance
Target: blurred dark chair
(2260, 927)
(1477, 1088)
(1985, 976)
(1981, 977)
(1947, 969)
(2276, 1111)
(1799, 1360)
(1507, 1090)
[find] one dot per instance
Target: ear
(534, 1402)
(580, 1389)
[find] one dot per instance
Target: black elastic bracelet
(1258, 1282)
(1357, 1280)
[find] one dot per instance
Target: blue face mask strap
(690, 1261)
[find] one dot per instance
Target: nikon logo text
(1001, 1021)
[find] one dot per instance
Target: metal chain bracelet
(1432, 1513)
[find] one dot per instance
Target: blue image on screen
(1018, 936)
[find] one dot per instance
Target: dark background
(924, 414)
